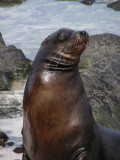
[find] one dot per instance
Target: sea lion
(57, 119)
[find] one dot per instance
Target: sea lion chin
(57, 119)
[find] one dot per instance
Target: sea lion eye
(46, 40)
(63, 36)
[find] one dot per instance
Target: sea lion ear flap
(62, 36)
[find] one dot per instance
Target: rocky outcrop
(4, 140)
(2, 43)
(100, 66)
(10, 2)
(19, 149)
(13, 65)
(115, 5)
(99, 46)
(3, 136)
(87, 2)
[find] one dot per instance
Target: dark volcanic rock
(101, 77)
(12, 61)
(2, 43)
(110, 4)
(3, 138)
(87, 2)
(10, 2)
(9, 143)
(115, 5)
(13, 65)
(19, 149)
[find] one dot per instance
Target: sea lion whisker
(78, 42)
(50, 60)
(58, 60)
(65, 48)
(72, 48)
(72, 40)
(56, 55)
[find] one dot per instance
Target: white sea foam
(12, 127)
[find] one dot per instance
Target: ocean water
(28, 24)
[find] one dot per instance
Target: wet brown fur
(57, 119)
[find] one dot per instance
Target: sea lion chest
(56, 114)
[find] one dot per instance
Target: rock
(10, 2)
(101, 77)
(99, 46)
(90, 2)
(103, 90)
(19, 149)
(3, 138)
(12, 60)
(2, 144)
(9, 143)
(4, 82)
(87, 2)
(13, 65)
(115, 5)
(2, 43)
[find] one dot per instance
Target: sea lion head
(65, 47)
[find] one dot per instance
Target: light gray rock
(102, 84)
(13, 65)
(99, 46)
(10, 2)
(100, 66)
